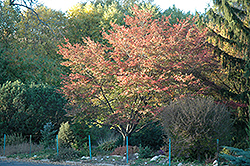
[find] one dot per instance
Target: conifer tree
(228, 21)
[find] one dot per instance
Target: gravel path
(18, 162)
(22, 162)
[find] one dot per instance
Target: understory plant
(48, 135)
(237, 157)
(194, 124)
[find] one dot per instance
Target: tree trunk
(124, 136)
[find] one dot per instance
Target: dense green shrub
(102, 134)
(109, 143)
(151, 136)
(194, 124)
(80, 131)
(27, 108)
(145, 152)
(48, 135)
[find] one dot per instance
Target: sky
(184, 5)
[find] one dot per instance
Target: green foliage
(26, 108)
(237, 157)
(151, 136)
(248, 134)
(97, 131)
(176, 14)
(40, 39)
(12, 99)
(193, 124)
(48, 135)
(65, 135)
(228, 23)
(108, 144)
(89, 19)
(28, 46)
(145, 152)
(80, 131)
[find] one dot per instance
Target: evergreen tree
(65, 135)
(228, 22)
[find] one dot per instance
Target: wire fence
(29, 147)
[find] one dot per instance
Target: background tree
(88, 20)
(175, 14)
(26, 108)
(149, 62)
(8, 26)
(39, 44)
(229, 26)
(28, 48)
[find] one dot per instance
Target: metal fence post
(30, 145)
(90, 148)
(127, 147)
(57, 147)
(218, 151)
(4, 140)
(169, 151)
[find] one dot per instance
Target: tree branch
(35, 13)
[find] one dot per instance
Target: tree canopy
(148, 63)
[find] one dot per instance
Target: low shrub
(122, 150)
(100, 134)
(80, 131)
(145, 152)
(236, 156)
(194, 124)
(108, 143)
(150, 136)
(65, 154)
(48, 135)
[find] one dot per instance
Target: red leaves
(148, 58)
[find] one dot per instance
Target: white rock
(136, 154)
(215, 163)
(35, 156)
(107, 157)
(154, 158)
(180, 164)
(145, 163)
(101, 158)
(45, 160)
(116, 156)
(85, 158)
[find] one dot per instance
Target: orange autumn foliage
(148, 63)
